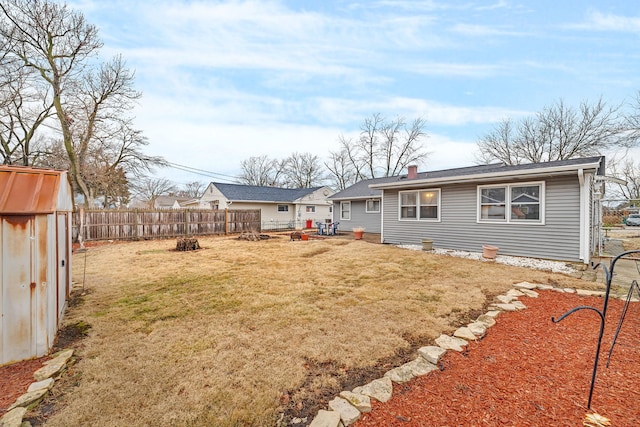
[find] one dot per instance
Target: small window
(511, 203)
(345, 210)
(310, 209)
(283, 208)
(420, 205)
(373, 206)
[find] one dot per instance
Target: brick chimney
(412, 171)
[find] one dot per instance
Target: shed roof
(26, 190)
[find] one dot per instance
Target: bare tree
(340, 174)
(148, 189)
(24, 107)
(384, 148)
(193, 189)
(627, 170)
(303, 170)
(558, 132)
(262, 171)
(90, 100)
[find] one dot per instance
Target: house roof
(497, 172)
(254, 193)
(26, 190)
(169, 201)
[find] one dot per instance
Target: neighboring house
(542, 210)
(280, 207)
(360, 205)
(169, 202)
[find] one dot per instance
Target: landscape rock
(41, 385)
(492, 313)
(478, 329)
(361, 402)
(587, 293)
(420, 366)
(505, 299)
(505, 307)
(570, 290)
(380, 389)
(63, 355)
(451, 343)
(525, 285)
(544, 287)
(432, 353)
(401, 374)
(13, 418)
(530, 294)
(515, 293)
(519, 305)
(488, 321)
(53, 368)
(326, 419)
(465, 333)
(29, 399)
(348, 413)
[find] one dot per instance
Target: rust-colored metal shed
(35, 259)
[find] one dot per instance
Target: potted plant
(427, 244)
(489, 251)
(358, 232)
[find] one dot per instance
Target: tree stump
(187, 244)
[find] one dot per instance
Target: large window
(511, 203)
(420, 205)
(373, 206)
(283, 208)
(345, 210)
(310, 209)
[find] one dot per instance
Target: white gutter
(489, 176)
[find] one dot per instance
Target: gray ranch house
(279, 207)
(543, 210)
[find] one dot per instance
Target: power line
(203, 172)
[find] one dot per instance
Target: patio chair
(334, 228)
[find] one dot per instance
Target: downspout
(584, 223)
(381, 217)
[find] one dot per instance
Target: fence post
(187, 212)
(226, 221)
(135, 224)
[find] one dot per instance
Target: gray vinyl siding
(558, 239)
(359, 217)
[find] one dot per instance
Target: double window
(283, 208)
(310, 209)
(422, 205)
(511, 203)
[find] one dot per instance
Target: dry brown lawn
(252, 333)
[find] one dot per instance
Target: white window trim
(341, 211)
(508, 220)
(282, 212)
(366, 206)
(420, 190)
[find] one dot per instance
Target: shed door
(16, 328)
(62, 252)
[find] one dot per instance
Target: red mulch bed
(15, 379)
(528, 371)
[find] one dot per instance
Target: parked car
(633, 219)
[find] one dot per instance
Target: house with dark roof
(280, 207)
(543, 210)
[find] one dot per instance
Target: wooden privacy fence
(156, 224)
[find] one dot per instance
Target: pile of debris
(187, 244)
(253, 236)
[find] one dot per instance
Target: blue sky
(226, 80)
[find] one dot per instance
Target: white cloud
(598, 21)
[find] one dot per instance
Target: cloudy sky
(226, 80)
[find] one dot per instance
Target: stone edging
(37, 390)
(347, 408)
